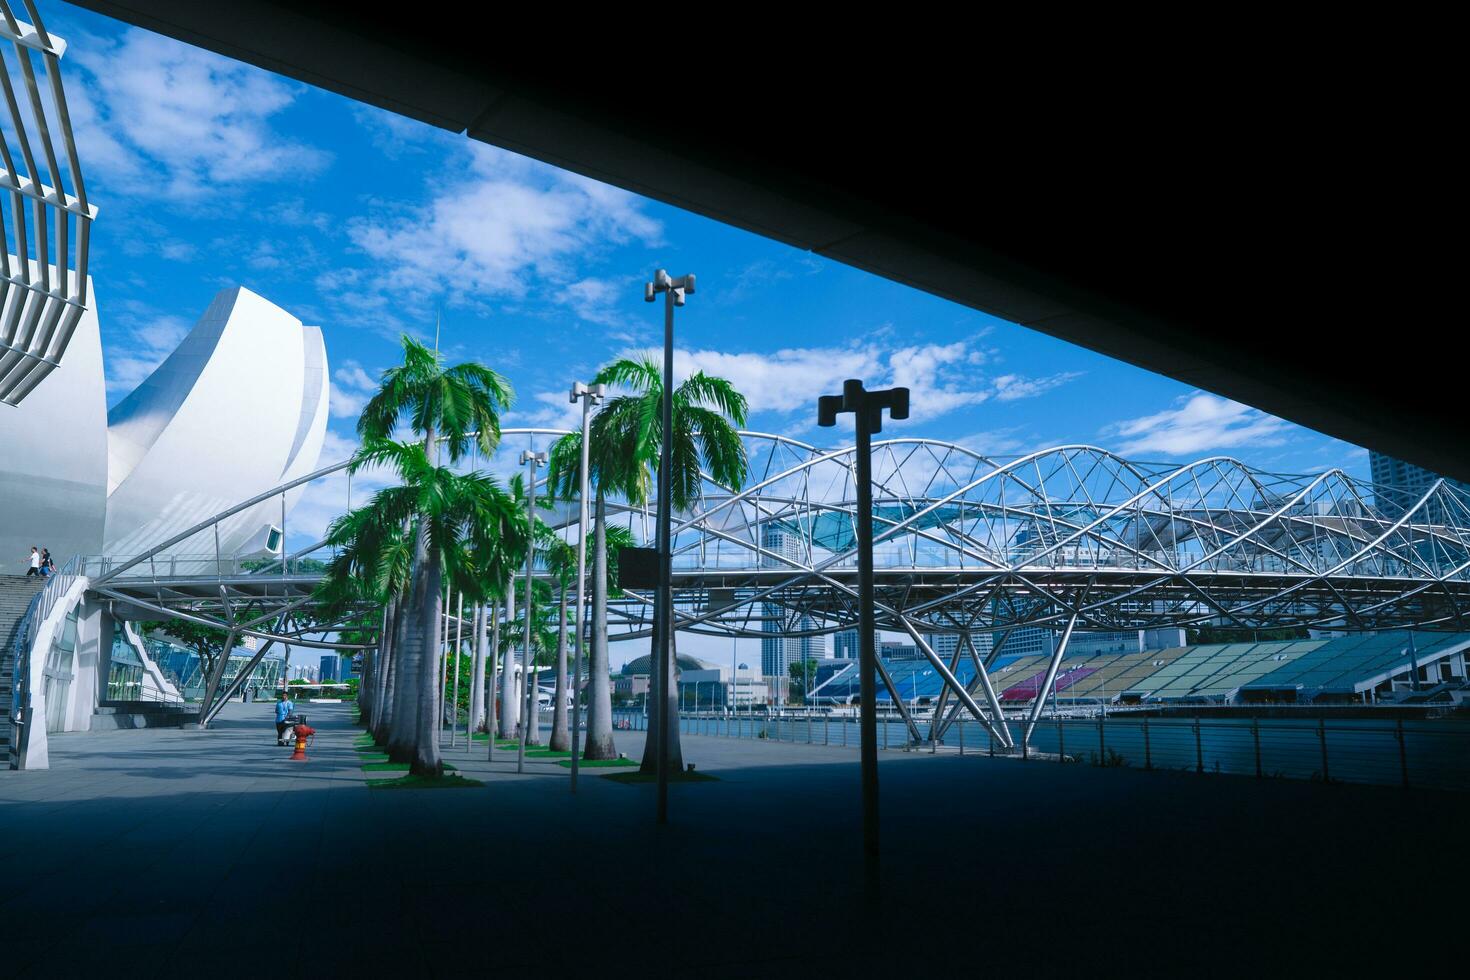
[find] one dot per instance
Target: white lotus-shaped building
(238, 408)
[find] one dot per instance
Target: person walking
(284, 709)
(48, 567)
(35, 568)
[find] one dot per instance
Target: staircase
(16, 593)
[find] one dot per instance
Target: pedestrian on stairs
(35, 568)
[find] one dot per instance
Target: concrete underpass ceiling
(1245, 219)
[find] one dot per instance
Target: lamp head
(827, 408)
(648, 292)
(898, 408)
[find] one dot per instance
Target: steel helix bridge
(963, 542)
(1068, 538)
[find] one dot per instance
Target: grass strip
(367, 757)
(547, 753)
(598, 763)
(424, 782)
(383, 765)
(652, 777)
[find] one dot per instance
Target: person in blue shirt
(284, 709)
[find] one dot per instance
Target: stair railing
(41, 606)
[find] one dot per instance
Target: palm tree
(561, 561)
(626, 440)
(514, 535)
(450, 409)
(371, 566)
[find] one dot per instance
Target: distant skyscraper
(329, 668)
(845, 644)
(943, 644)
(778, 653)
(1406, 482)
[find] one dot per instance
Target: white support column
(903, 709)
(947, 676)
(1051, 676)
(982, 683)
(938, 716)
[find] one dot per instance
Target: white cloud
(1201, 422)
(146, 347)
(941, 378)
(1010, 387)
(351, 389)
(165, 119)
(514, 228)
(548, 410)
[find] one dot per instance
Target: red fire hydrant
(302, 732)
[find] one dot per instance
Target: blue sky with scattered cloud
(210, 173)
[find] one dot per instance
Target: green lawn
(372, 756)
(546, 753)
(421, 782)
(397, 767)
(650, 777)
(598, 763)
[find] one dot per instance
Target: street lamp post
(588, 395)
(674, 291)
(530, 715)
(867, 409)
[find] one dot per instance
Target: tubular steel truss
(43, 209)
(1071, 538)
(964, 543)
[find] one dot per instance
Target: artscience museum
(82, 480)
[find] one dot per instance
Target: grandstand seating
(1276, 670)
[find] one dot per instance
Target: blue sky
(209, 173)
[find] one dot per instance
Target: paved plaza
(211, 851)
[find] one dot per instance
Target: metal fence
(1428, 754)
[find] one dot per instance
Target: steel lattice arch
(1073, 535)
(967, 542)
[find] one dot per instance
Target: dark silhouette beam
(1242, 218)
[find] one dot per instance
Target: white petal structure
(239, 407)
(53, 458)
(43, 208)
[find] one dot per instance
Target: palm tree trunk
(413, 636)
(531, 678)
(365, 690)
(373, 716)
(599, 684)
(477, 670)
(670, 707)
(494, 612)
(510, 708)
(561, 736)
(392, 669)
(426, 761)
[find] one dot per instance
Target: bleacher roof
(1346, 664)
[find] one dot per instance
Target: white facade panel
(238, 408)
(53, 458)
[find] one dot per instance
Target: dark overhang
(1235, 213)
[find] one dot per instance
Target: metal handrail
(40, 607)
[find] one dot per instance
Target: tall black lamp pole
(674, 291)
(867, 408)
